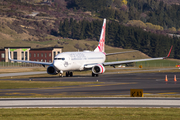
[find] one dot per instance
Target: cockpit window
(59, 58)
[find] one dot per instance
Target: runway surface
(108, 84)
(90, 102)
(112, 84)
(133, 71)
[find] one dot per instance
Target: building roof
(47, 48)
(15, 47)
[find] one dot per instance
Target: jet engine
(51, 70)
(98, 69)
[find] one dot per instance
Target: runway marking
(169, 93)
(160, 79)
(66, 87)
(107, 84)
(147, 93)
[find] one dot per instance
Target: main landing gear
(94, 75)
(69, 74)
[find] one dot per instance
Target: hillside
(177, 2)
(37, 23)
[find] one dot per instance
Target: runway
(107, 85)
(90, 102)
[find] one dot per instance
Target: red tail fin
(169, 52)
(101, 45)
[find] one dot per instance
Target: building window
(54, 53)
(49, 60)
(38, 55)
(22, 55)
(49, 54)
(29, 55)
(26, 55)
(45, 54)
(34, 55)
(2, 55)
(41, 60)
(41, 54)
(37, 60)
(15, 55)
(45, 60)
(58, 52)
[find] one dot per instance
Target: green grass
(158, 63)
(38, 84)
(91, 113)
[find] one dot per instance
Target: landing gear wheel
(67, 74)
(71, 74)
(60, 75)
(93, 74)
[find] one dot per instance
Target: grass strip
(38, 84)
(90, 113)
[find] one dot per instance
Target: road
(89, 102)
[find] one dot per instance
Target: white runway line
(90, 102)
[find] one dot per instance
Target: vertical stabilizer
(101, 45)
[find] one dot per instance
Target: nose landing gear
(61, 74)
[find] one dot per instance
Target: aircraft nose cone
(56, 64)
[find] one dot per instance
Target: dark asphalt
(113, 84)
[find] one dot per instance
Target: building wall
(44, 55)
(41, 55)
(56, 51)
(22, 53)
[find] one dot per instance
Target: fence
(15, 64)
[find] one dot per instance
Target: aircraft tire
(67, 74)
(71, 74)
(60, 75)
(93, 74)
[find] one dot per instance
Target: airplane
(85, 60)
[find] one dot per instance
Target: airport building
(28, 53)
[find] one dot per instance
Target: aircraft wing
(137, 60)
(130, 61)
(35, 62)
(120, 52)
(88, 66)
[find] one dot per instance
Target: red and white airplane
(85, 60)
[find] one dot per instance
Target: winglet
(9, 55)
(169, 52)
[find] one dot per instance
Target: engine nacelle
(98, 69)
(51, 70)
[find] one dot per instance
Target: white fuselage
(72, 61)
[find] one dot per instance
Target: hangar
(28, 53)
